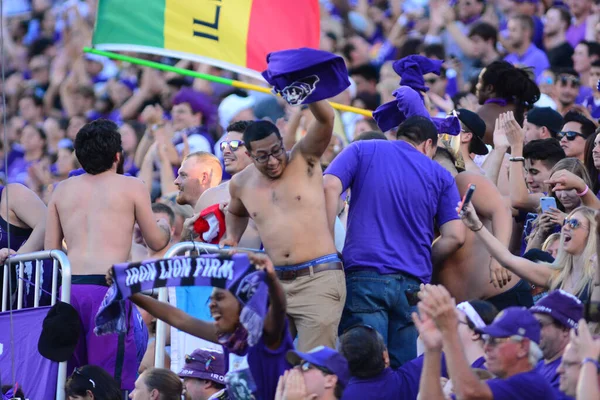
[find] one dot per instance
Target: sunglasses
(306, 366)
(565, 79)
(77, 371)
(264, 158)
(190, 359)
(571, 135)
(493, 341)
(573, 223)
(232, 144)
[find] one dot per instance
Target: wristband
(591, 360)
(587, 188)
(517, 159)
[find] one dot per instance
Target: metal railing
(59, 260)
(174, 251)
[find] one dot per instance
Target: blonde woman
(574, 267)
(552, 244)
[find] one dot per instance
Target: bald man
(199, 171)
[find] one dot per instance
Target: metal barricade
(176, 250)
(59, 260)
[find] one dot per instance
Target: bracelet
(587, 188)
(591, 360)
(477, 230)
(517, 159)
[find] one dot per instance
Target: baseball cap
(562, 306)
(60, 332)
(513, 321)
(204, 364)
(546, 116)
(474, 124)
(325, 358)
(231, 106)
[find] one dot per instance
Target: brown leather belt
(293, 274)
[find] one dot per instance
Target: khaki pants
(314, 307)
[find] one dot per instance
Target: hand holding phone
(547, 203)
(468, 196)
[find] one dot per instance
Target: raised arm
(236, 218)
(537, 274)
(176, 317)
(156, 234)
(319, 132)
(30, 209)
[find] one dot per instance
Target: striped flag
(232, 34)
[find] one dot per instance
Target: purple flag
(35, 374)
(234, 273)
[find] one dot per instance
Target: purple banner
(35, 374)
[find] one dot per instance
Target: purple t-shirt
(533, 57)
(527, 385)
(266, 365)
(548, 371)
(389, 384)
(576, 33)
(397, 194)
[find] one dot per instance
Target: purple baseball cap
(562, 306)
(204, 364)
(323, 357)
(513, 321)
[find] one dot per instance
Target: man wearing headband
(95, 214)
(557, 314)
(511, 352)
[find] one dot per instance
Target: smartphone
(546, 203)
(412, 296)
(591, 311)
(467, 199)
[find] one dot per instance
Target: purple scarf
(234, 273)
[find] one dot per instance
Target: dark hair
(526, 22)
(434, 50)
(409, 47)
(363, 348)
(371, 100)
(164, 209)
(547, 151)
(367, 71)
(259, 130)
(567, 71)
(418, 129)
(486, 310)
(19, 394)
(485, 31)
(97, 145)
(512, 84)
(370, 135)
(587, 126)
(39, 46)
(94, 379)
(239, 126)
(165, 381)
(589, 162)
(593, 48)
(596, 63)
(138, 128)
(565, 15)
(86, 91)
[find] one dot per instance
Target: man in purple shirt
(557, 314)
(398, 194)
(511, 352)
(525, 53)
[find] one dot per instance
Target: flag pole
(208, 77)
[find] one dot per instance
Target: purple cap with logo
(325, 358)
(204, 364)
(513, 321)
(562, 306)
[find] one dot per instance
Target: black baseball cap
(61, 330)
(474, 124)
(546, 116)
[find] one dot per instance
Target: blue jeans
(380, 301)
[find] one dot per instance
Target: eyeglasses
(306, 366)
(77, 371)
(565, 79)
(209, 360)
(263, 158)
(493, 341)
(232, 144)
(571, 135)
(573, 223)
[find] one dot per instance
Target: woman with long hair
(574, 266)
(92, 383)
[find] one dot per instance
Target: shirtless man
(199, 171)
(236, 160)
(470, 272)
(283, 193)
(95, 214)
